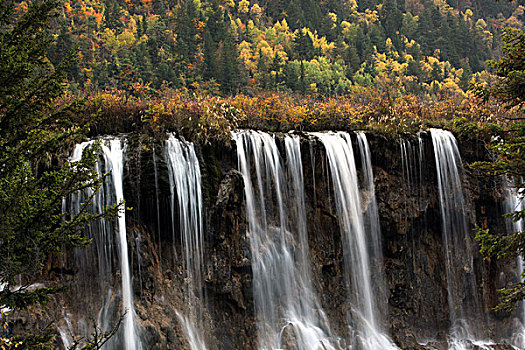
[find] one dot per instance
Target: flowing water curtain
(157, 202)
(413, 168)
(186, 196)
(466, 312)
(305, 312)
(104, 233)
(372, 226)
(364, 320)
(287, 308)
(515, 202)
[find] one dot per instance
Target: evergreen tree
(510, 68)
(34, 171)
(230, 75)
(414, 68)
(425, 33)
(363, 45)
(214, 32)
(509, 154)
(303, 46)
(275, 67)
(465, 76)
(262, 72)
(352, 59)
(302, 79)
(392, 19)
(292, 75)
(377, 37)
(187, 41)
(112, 16)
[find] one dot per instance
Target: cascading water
(114, 158)
(371, 223)
(464, 305)
(285, 299)
(65, 330)
(365, 318)
(514, 202)
(413, 166)
(157, 200)
(185, 183)
(112, 162)
(408, 163)
(371, 217)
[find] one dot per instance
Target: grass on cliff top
(203, 119)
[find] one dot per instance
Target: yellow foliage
(67, 7)
(244, 6)
(445, 8)
(450, 85)
(411, 43)
(132, 25)
(256, 11)
(126, 38)
(432, 60)
(321, 43)
(110, 41)
(351, 4)
(467, 16)
(333, 19)
(203, 118)
(370, 16)
(389, 44)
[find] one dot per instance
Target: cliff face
(417, 312)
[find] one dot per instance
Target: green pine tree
(35, 135)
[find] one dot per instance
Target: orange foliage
(21, 8)
(203, 118)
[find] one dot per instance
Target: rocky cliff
(417, 315)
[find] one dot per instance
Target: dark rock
(413, 262)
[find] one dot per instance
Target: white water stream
(464, 305)
(515, 202)
(112, 161)
(287, 309)
(365, 318)
(185, 184)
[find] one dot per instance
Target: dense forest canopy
(305, 46)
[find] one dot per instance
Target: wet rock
(413, 264)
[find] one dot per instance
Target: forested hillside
(306, 46)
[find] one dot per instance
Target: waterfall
(413, 168)
(112, 161)
(65, 330)
(114, 157)
(514, 202)
(287, 309)
(371, 223)
(463, 300)
(185, 184)
(371, 213)
(409, 164)
(157, 201)
(365, 316)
